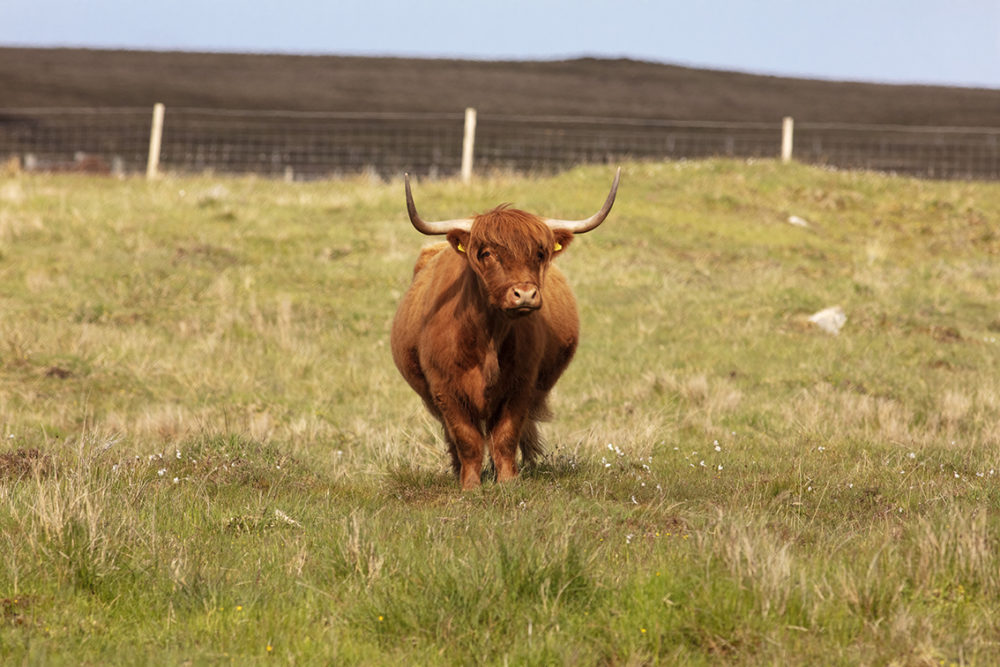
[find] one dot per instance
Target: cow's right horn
(585, 225)
(432, 228)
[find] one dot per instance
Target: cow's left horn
(581, 226)
(432, 228)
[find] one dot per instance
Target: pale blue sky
(952, 42)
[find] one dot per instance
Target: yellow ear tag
(558, 247)
(461, 248)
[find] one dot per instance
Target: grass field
(208, 456)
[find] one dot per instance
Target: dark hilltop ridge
(580, 87)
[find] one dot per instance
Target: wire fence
(305, 145)
(930, 152)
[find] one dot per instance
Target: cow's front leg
(465, 440)
(505, 434)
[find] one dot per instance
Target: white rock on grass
(830, 319)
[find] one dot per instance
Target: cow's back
(412, 314)
(427, 254)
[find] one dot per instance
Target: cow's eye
(541, 255)
(483, 254)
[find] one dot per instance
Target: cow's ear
(563, 238)
(459, 240)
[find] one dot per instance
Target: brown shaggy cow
(487, 327)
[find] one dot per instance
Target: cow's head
(510, 250)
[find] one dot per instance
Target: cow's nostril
(524, 296)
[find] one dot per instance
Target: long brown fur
(483, 368)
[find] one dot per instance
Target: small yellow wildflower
(269, 648)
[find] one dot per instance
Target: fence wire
(304, 145)
(931, 152)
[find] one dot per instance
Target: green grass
(208, 455)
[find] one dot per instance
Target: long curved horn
(432, 228)
(581, 226)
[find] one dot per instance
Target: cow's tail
(531, 444)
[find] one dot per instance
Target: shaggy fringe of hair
(512, 228)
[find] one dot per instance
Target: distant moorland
(579, 87)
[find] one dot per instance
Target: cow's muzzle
(522, 299)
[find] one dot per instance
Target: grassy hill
(208, 456)
(586, 86)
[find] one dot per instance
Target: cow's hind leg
(456, 462)
(503, 449)
(530, 445)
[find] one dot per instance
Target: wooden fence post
(787, 134)
(468, 144)
(155, 136)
